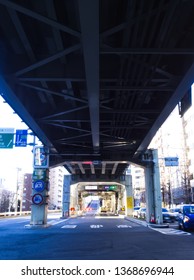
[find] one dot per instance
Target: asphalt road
(92, 238)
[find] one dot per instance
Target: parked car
(135, 211)
(141, 213)
(167, 217)
(174, 212)
(186, 217)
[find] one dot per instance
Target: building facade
(27, 192)
(56, 177)
(175, 139)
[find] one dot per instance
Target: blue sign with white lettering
(21, 138)
(171, 161)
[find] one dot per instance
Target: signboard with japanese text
(6, 138)
(171, 161)
(21, 138)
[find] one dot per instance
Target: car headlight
(186, 219)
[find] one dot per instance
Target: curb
(146, 224)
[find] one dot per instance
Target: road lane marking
(54, 222)
(69, 226)
(109, 217)
(96, 226)
(124, 226)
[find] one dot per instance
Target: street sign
(40, 174)
(39, 185)
(171, 161)
(6, 138)
(21, 138)
(41, 157)
(37, 199)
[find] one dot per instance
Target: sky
(11, 160)
(17, 157)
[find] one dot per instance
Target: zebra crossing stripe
(69, 226)
(54, 222)
(170, 231)
(96, 226)
(179, 232)
(124, 226)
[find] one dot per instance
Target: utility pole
(17, 188)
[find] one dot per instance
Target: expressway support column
(127, 181)
(153, 191)
(40, 187)
(129, 195)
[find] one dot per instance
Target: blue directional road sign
(171, 161)
(21, 138)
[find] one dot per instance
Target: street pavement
(92, 238)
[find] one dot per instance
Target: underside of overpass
(94, 80)
(99, 198)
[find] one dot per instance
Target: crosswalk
(92, 226)
(171, 231)
(68, 224)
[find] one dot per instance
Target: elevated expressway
(94, 80)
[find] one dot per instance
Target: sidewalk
(146, 224)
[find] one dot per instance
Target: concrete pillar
(66, 196)
(40, 187)
(153, 191)
(129, 195)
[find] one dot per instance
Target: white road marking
(109, 217)
(171, 231)
(69, 226)
(54, 222)
(96, 226)
(124, 226)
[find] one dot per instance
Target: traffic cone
(152, 219)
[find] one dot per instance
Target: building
(188, 127)
(56, 177)
(27, 192)
(175, 139)
(138, 183)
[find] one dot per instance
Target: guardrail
(9, 214)
(23, 213)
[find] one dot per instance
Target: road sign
(39, 185)
(41, 157)
(6, 138)
(21, 138)
(37, 199)
(171, 161)
(40, 174)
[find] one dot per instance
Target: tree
(187, 188)
(6, 201)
